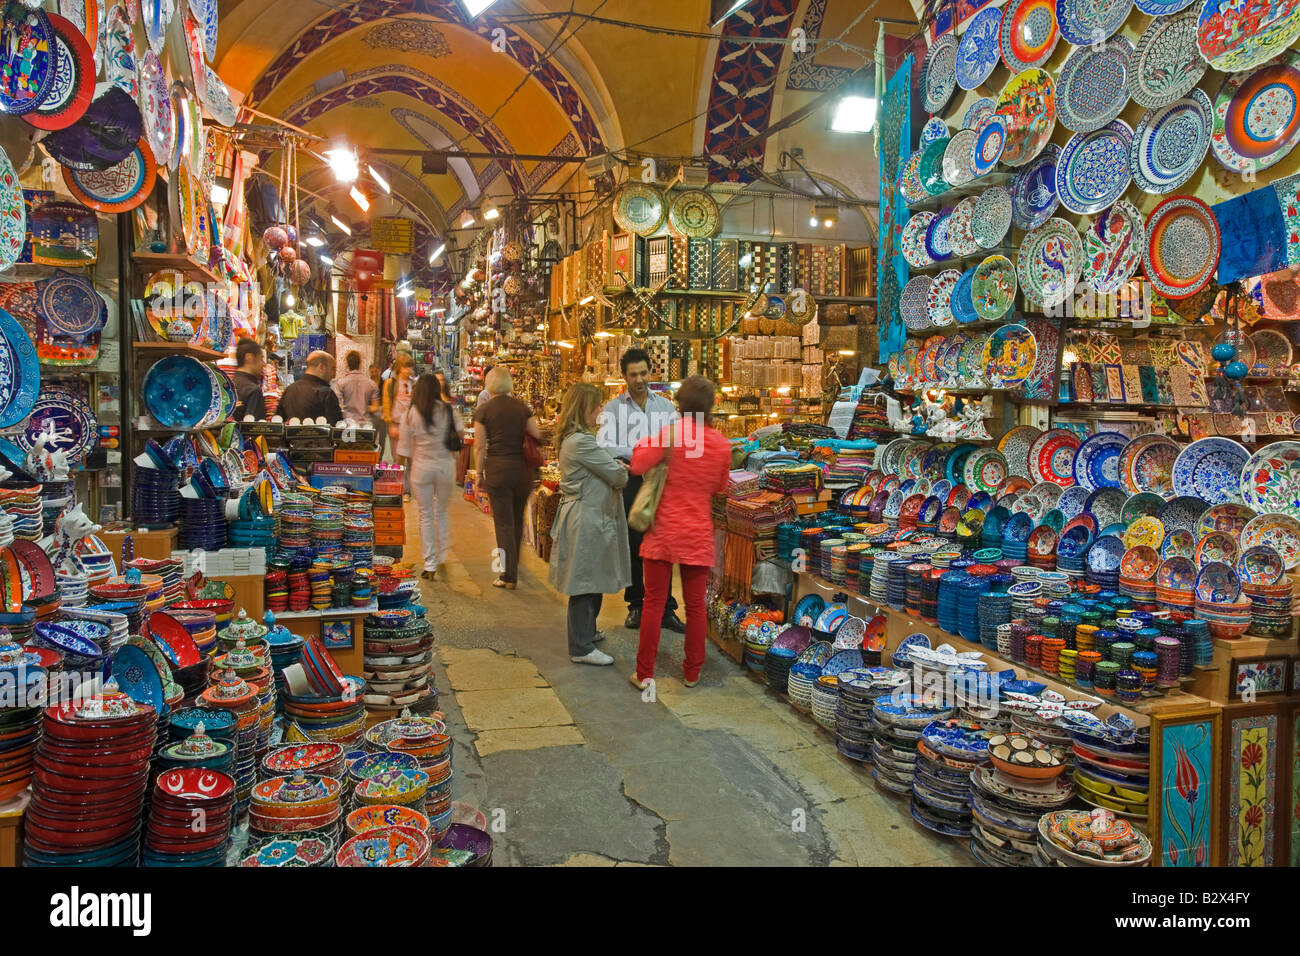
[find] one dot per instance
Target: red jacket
(699, 467)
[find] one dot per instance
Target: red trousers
(658, 582)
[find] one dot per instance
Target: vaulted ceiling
(528, 77)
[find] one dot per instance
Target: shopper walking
(311, 397)
(248, 381)
(397, 399)
(427, 430)
(377, 415)
(358, 395)
(625, 420)
(499, 429)
(699, 461)
(589, 557)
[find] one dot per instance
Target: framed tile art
(337, 635)
(1289, 771)
(1115, 383)
(1258, 676)
(1040, 386)
(1183, 819)
(1255, 766)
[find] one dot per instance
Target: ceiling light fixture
(315, 241)
(383, 183)
(436, 253)
(719, 10)
(327, 260)
(474, 7)
(404, 293)
(343, 161)
(359, 198)
(855, 111)
(491, 213)
(341, 224)
(588, 300)
(466, 219)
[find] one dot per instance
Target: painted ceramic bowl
(389, 846)
(384, 816)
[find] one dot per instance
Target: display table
(340, 629)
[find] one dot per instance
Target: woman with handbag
(693, 461)
(430, 438)
(589, 557)
(396, 400)
(502, 428)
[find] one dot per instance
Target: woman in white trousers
(423, 439)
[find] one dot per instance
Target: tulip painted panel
(1184, 801)
(1293, 765)
(1251, 759)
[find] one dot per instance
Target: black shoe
(633, 622)
(673, 622)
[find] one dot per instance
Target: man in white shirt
(625, 420)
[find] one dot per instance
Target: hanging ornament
(300, 272)
(288, 253)
(275, 236)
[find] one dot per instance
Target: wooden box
(155, 545)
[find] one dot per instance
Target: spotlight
(435, 253)
(491, 213)
(383, 183)
(359, 198)
(341, 224)
(315, 241)
(343, 161)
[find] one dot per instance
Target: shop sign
(393, 235)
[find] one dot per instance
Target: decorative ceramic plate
(177, 391)
(1028, 102)
(1112, 247)
(978, 53)
(956, 158)
(909, 179)
(1183, 245)
(1033, 194)
(1160, 8)
(208, 19)
(913, 240)
(216, 100)
(1086, 24)
(939, 73)
(21, 381)
(985, 470)
(937, 245)
(1260, 565)
(993, 288)
(963, 299)
(985, 146)
(27, 54)
(961, 227)
(69, 305)
(934, 128)
(119, 52)
(156, 107)
(1270, 480)
(1051, 458)
(693, 214)
(1050, 262)
(1210, 469)
(1092, 87)
(981, 108)
(1166, 63)
(74, 78)
(1015, 445)
(157, 15)
(638, 208)
(1096, 463)
(931, 168)
(913, 303)
(13, 214)
(1170, 142)
(1229, 518)
(1273, 354)
(1093, 170)
(1009, 356)
(119, 188)
(1237, 35)
(185, 212)
(1257, 115)
(74, 423)
(939, 298)
(992, 217)
(1281, 532)
(105, 134)
(1028, 33)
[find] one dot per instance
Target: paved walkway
(573, 768)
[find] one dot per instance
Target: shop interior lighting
(466, 220)
(343, 161)
(383, 183)
(474, 7)
(341, 224)
(491, 213)
(855, 110)
(436, 253)
(359, 198)
(315, 241)
(588, 300)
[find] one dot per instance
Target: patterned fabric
(894, 141)
(1288, 200)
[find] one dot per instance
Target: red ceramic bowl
(81, 800)
(57, 804)
(186, 820)
(63, 838)
(194, 783)
(84, 770)
(163, 845)
(140, 753)
(165, 629)
(292, 824)
(57, 819)
(69, 784)
(179, 835)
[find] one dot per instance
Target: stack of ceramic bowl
(1270, 609)
(95, 559)
(220, 726)
(758, 641)
(366, 819)
(295, 804)
(825, 701)
(23, 505)
(1228, 619)
(323, 760)
(426, 739)
(132, 609)
(1176, 585)
(364, 765)
(154, 498)
(202, 523)
(169, 570)
(1005, 812)
(804, 673)
(201, 625)
(257, 531)
(198, 750)
(463, 845)
(119, 626)
(77, 641)
(92, 770)
(232, 693)
(897, 721)
(73, 590)
(337, 717)
(190, 818)
(947, 752)
(1112, 763)
(20, 726)
(285, 649)
(406, 788)
(386, 846)
(859, 688)
(1080, 838)
(398, 660)
(310, 848)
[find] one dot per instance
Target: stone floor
(573, 768)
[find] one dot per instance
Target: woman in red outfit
(699, 462)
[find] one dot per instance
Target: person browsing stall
(311, 396)
(248, 381)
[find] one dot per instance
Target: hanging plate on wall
(1093, 170)
(13, 214)
(693, 214)
(1028, 102)
(27, 59)
(1033, 194)
(1049, 262)
(216, 99)
(74, 78)
(1257, 115)
(987, 143)
(978, 53)
(74, 422)
(69, 305)
(1170, 142)
(639, 208)
(1113, 246)
(119, 188)
(105, 135)
(1029, 33)
(1166, 63)
(939, 73)
(1092, 87)
(20, 372)
(157, 15)
(119, 52)
(1085, 23)
(981, 108)
(181, 114)
(1237, 35)
(64, 233)
(1183, 245)
(156, 106)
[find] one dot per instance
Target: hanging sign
(393, 235)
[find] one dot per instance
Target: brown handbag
(641, 516)
(533, 456)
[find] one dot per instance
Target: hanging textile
(895, 135)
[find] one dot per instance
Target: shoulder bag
(641, 516)
(453, 440)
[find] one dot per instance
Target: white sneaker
(598, 637)
(595, 657)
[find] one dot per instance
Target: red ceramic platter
(120, 188)
(74, 78)
(1183, 246)
(165, 629)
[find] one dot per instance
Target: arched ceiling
(414, 75)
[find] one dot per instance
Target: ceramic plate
(939, 298)
(1051, 458)
(157, 15)
(1257, 115)
(977, 54)
(105, 134)
(1093, 85)
(1015, 445)
(909, 179)
(931, 168)
(913, 303)
(21, 381)
(1160, 8)
(981, 108)
(1085, 23)
(1112, 247)
(1166, 63)
(963, 302)
(1050, 262)
(992, 217)
(69, 305)
(74, 79)
(73, 421)
(1093, 170)
(1229, 518)
(1028, 33)
(1096, 463)
(216, 100)
(985, 470)
(993, 288)
(119, 188)
(13, 214)
(939, 73)
(1281, 532)
(1033, 194)
(985, 146)
(1028, 102)
(1009, 356)
(956, 158)
(1237, 35)
(1210, 469)
(913, 240)
(638, 208)
(937, 246)
(1183, 244)
(1270, 480)
(28, 51)
(119, 52)
(692, 213)
(177, 391)
(1170, 142)
(934, 128)
(961, 227)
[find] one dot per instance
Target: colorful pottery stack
(201, 625)
(198, 751)
(20, 727)
(426, 739)
(1270, 609)
(365, 819)
(276, 590)
(285, 649)
(1005, 813)
(168, 570)
(222, 610)
(23, 505)
(295, 804)
(399, 655)
(232, 693)
(405, 788)
(387, 846)
(190, 818)
(1097, 838)
(948, 751)
(324, 760)
(292, 849)
(92, 770)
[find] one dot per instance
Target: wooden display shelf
(1215, 681)
(154, 545)
(972, 188)
(156, 349)
(159, 261)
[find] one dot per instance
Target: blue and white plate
(1093, 86)
(962, 302)
(1210, 469)
(1072, 501)
(1159, 8)
(1033, 193)
(75, 426)
(1093, 170)
(981, 108)
(1085, 23)
(138, 678)
(986, 148)
(1096, 462)
(978, 53)
(21, 372)
(1170, 143)
(934, 128)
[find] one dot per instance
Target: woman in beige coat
(589, 556)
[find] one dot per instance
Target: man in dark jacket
(248, 381)
(311, 396)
